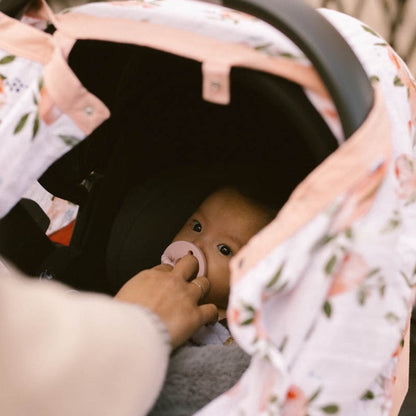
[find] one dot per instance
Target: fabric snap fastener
(216, 82)
(215, 85)
(88, 110)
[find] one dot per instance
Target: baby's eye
(196, 226)
(224, 250)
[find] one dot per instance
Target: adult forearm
(76, 354)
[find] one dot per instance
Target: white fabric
(60, 212)
(216, 334)
(324, 314)
(76, 354)
(27, 150)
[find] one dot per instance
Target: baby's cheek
(221, 283)
(182, 235)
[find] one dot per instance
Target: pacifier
(178, 249)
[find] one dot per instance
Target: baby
(221, 225)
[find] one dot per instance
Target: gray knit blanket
(197, 375)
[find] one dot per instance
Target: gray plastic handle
(335, 61)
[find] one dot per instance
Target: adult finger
(209, 313)
(200, 287)
(163, 267)
(187, 267)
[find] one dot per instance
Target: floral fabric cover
(322, 312)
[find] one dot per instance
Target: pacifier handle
(178, 249)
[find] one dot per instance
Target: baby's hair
(256, 183)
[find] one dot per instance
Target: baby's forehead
(223, 199)
(229, 201)
(227, 197)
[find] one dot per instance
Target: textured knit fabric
(65, 353)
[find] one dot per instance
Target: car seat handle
(13, 8)
(335, 61)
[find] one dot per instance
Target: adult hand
(171, 293)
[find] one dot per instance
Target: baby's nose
(198, 243)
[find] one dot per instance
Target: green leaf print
(283, 344)
(362, 296)
(410, 281)
(368, 395)
(263, 46)
(349, 233)
(323, 241)
(369, 30)
(315, 395)
(373, 272)
(393, 223)
(21, 123)
(35, 126)
(330, 409)
(327, 309)
(248, 321)
(329, 267)
(249, 308)
(7, 59)
(69, 140)
(251, 312)
(276, 277)
(3, 77)
(392, 317)
(374, 78)
(287, 55)
(398, 82)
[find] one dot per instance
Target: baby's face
(222, 224)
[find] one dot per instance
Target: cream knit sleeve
(76, 354)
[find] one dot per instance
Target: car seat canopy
(327, 287)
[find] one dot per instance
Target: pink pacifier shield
(178, 249)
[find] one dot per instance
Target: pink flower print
(140, 3)
(258, 326)
(229, 16)
(233, 316)
(60, 213)
(267, 397)
(48, 111)
(296, 403)
(403, 78)
(359, 199)
(404, 169)
(244, 316)
(236, 17)
(2, 92)
(351, 273)
(398, 349)
(388, 385)
(331, 113)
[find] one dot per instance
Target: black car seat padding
(160, 125)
